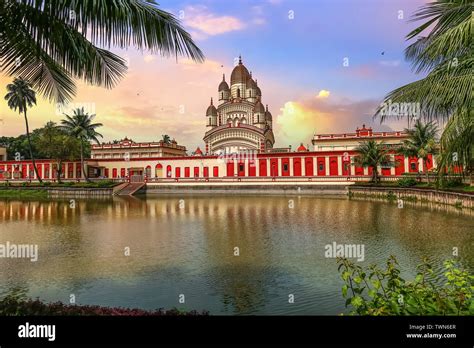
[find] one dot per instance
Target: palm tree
(457, 147)
(51, 43)
(166, 139)
(21, 96)
(372, 154)
(446, 54)
(80, 125)
(421, 142)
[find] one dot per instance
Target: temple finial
(211, 101)
(240, 59)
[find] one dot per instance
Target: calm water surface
(187, 247)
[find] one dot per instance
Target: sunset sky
(295, 49)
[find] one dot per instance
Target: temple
(240, 121)
(239, 143)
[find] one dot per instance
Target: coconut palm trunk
(82, 162)
(30, 147)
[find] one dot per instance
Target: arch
(148, 171)
(236, 121)
(159, 170)
(168, 171)
(243, 120)
(238, 92)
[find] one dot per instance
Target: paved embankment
(464, 200)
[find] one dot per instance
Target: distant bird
(383, 53)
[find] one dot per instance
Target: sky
(323, 66)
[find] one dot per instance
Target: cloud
(205, 22)
(323, 94)
(149, 58)
(390, 63)
(297, 121)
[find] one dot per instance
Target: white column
(236, 167)
(406, 165)
(291, 166)
(303, 166)
(327, 165)
(420, 165)
(280, 169)
(246, 167)
(315, 166)
(392, 169)
(339, 165)
(269, 169)
(366, 170)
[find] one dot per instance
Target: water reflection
(183, 244)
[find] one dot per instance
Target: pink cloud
(205, 22)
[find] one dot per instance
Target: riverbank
(12, 306)
(457, 199)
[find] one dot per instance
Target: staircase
(129, 189)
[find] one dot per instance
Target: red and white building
(238, 144)
(331, 157)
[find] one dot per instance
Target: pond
(239, 254)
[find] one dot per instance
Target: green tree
(80, 126)
(53, 42)
(20, 97)
(457, 147)
(58, 145)
(166, 139)
(446, 54)
(372, 154)
(421, 142)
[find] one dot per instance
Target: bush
(46, 183)
(105, 183)
(13, 305)
(406, 182)
(442, 182)
(374, 291)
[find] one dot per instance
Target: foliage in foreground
(12, 305)
(375, 291)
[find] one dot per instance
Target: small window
(285, 167)
(321, 167)
(241, 167)
(413, 166)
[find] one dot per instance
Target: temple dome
(240, 74)
(211, 110)
(259, 107)
(223, 86)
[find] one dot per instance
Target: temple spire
(240, 59)
(211, 101)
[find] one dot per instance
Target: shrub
(406, 182)
(105, 183)
(13, 305)
(375, 291)
(46, 183)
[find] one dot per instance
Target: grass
(13, 193)
(46, 184)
